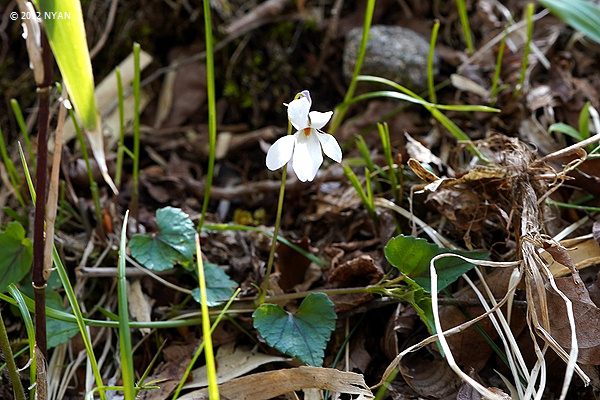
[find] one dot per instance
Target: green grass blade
(430, 83)
(281, 239)
(211, 370)
(201, 347)
(584, 121)
(14, 104)
(566, 130)
(125, 352)
(384, 134)
(464, 22)
(64, 278)
(525, 63)
(29, 328)
(67, 39)
(364, 197)
(496, 78)
(580, 14)
(13, 176)
(340, 110)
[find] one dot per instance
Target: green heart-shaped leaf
(174, 243)
(219, 287)
(16, 255)
(303, 334)
(412, 257)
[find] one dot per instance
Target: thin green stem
(574, 206)
(234, 227)
(13, 176)
(135, 185)
(364, 151)
(340, 110)
(263, 294)
(366, 199)
(120, 97)
(212, 109)
(14, 104)
(86, 159)
(384, 134)
(430, 83)
(525, 63)
(13, 373)
(499, 58)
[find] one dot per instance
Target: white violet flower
(304, 146)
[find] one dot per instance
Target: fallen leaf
(291, 264)
(429, 375)
(266, 385)
(139, 305)
(169, 372)
(231, 366)
(587, 319)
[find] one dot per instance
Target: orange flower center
(307, 131)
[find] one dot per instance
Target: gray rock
(393, 52)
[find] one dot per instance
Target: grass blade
(125, 351)
(67, 39)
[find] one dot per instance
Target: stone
(393, 52)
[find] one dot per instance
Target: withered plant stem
(37, 274)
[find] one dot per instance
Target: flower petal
(319, 119)
(298, 112)
(280, 152)
(330, 146)
(304, 93)
(307, 156)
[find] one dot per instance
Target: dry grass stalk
(519, 184)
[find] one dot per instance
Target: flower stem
(263, 293)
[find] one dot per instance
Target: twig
(573, 149)
(232, 192)
(52, 203)
(109, 24)
(259, 16)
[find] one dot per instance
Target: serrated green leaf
(303, 334)
(219, 287)
(412, 257)
(16, 255)
(174, 242)
(580, 14)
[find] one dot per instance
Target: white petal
(319, 119)
(330, 146)
(305, 93)
(281, 152)
(307, 156)
(298, 113)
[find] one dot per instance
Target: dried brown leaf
(587, 319)
(266, 385)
